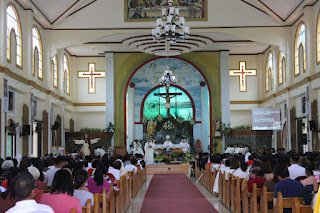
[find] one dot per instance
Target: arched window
(269, 72)
(66, 75)
(318, 39)
(54, 68)
(13, 24)
(282, 68)
(300, 48)
(181, 105)
(37, 58)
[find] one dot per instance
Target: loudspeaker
(56, 125)
(304, 139)
(25, 130)
(313, 125)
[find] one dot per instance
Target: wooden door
(314, 116)
(45, 132)
(58, 132)
(25, 139)
(293, 129)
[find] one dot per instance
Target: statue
(151, 127)
(86, 144)
(198, 146)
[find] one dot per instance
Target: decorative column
(130, 121)
(110, 90)
(3, 33)
(225, 95)
(204, 117)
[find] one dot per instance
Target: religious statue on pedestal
(149, 149)
(86, 145)
(151, 127)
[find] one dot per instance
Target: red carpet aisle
(174, 193)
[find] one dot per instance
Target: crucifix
(92, 74)
(167, 95)
(243, 73)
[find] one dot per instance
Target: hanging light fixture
(168, 78)
(170, 27)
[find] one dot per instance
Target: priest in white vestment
(168, 144)
(184, 145)
(149, 149)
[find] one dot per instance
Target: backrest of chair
(254, 204)
(73, 211)
(220, 186)
(100, 200)
(287, 202)
(232, 193)
(245, 202)
(87, 208)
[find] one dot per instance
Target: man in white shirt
(131, 167)
(114, 172)
(295, 170)
(24, 189)
(59, 163)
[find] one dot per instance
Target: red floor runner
(174, 193)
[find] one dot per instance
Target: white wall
(240, 117)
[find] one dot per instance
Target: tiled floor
(138, 200)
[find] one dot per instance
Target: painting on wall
(149, 10)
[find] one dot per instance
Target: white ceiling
(98, 15)
(53, 9)
(282, 7)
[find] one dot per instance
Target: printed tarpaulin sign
(266, 119)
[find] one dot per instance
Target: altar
(182, 146)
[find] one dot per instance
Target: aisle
(174, 193)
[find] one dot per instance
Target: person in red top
(256, 177)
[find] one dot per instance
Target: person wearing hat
(167, 144)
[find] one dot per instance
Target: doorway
(301, 134)
(37, 138)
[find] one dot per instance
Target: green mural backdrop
(125, 64)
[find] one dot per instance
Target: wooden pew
(299, 208)
(254, 199)
(238, 195)
(232, 193)
(228, 194)
(224, 189)
(87, 208)
(220, 187)
(73, 211)
(244, 193)
(100, 203)
(286, 202)
(265, 198)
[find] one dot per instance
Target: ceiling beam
(270, 12)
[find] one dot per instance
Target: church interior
(97, 67)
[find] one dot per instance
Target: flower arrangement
(144, 120)
(177, 153)
(192, 121)
(180, 120)
(168, 125)
(159, 118)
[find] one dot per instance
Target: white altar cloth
(173, 146)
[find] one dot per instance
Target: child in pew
(81, 192)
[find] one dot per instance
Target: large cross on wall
(91, 74)
(243, 73)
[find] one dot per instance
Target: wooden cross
(91, 75)
(243, 73)
(167, 96)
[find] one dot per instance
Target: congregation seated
(242, 172)
(114, 169)
(97, 183)
(38, 190)
(5, 166)
(286, 185)
(295, 170)
(80, 190)
(58, 164)
(8, 197)
(132, 166)
(256, 176)
(60, 198)
(94, 164)
(24, 190)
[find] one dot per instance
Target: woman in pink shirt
(61, 199)
(97, 183)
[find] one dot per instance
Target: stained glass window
(181, 105)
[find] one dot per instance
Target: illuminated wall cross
(243, 73)
(91, 75)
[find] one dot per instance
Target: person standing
(149, 149)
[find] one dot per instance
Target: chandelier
(169, 30)
(168, 78)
